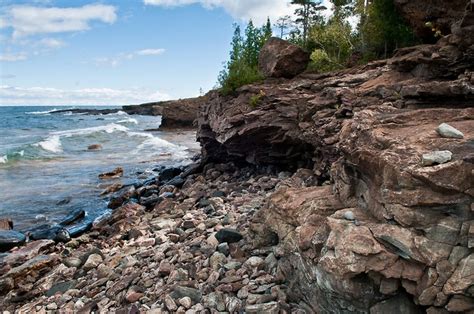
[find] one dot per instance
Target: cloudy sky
(115, 52)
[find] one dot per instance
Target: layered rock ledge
(379, 226)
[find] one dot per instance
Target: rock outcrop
(279, 58)
(174, 114)
(441, 14)
(373, 228)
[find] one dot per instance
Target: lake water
(47, 171)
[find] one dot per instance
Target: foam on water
(3, 159)
(128, 120)
(156, 142)
(108, 128)
(42, 112)
(51, 144)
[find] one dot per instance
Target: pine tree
(308, 13)
(251, 44)
(237, 42)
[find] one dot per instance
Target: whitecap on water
(108, 128)
(42, 112)
(51, 144)
(128, 120)
(3, 159)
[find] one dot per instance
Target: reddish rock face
(279, 58)
(383, 231)
(442, 14)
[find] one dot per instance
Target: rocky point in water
(314, 201)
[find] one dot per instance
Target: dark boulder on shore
(10, 239)
(228, 235)
(56, 233)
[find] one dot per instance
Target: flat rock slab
(10, 239)
(39, 262)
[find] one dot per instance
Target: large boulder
(279, 58)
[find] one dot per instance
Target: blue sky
(115, 52)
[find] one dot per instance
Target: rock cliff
(383, 222)
(175, 113)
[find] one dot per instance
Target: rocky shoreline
(178, 242)
(345, 192)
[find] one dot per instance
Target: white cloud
(150, 52)
(13, 57)
(14, 95)
(51, 43)
(31, 20)
(116, 60)
(257, 10)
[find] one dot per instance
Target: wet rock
(116, 173)
(436, 158)
(445, 130)
(94, 147)
(228, 235)
(177, 182)
(10, 239)
(279, 58)
(55, 233)
(169, 173)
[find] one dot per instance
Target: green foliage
(308, 13)
(321, 62)
(255, 100)
(333, 42)
(242, 68)
(382, 30)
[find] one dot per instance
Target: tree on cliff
(308, 13)
(242, 68)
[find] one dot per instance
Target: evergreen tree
(308, 13)
(252, 43)
(237, 42)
